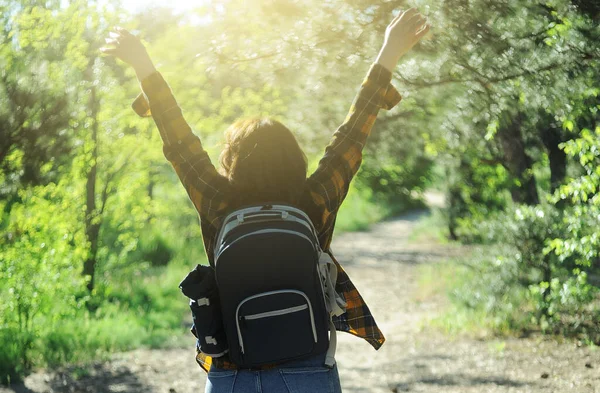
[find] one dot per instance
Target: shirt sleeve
(207, 189)
(329, 184)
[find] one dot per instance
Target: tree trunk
(551, 138)
(547, 277)
(151, 186)
(92, 221)
(150, 190)
(455, 204)
(453, 199)
(518, 163)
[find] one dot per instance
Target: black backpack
(271, 286)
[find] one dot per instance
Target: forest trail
(384, 264)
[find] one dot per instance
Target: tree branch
(487, 81)
(109, 178)
(243, 60)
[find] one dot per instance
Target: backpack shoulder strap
(336, 306)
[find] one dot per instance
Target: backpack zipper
(274, 313)
(237, 311)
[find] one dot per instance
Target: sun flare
(178, 6)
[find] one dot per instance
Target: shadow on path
(98, 378)
(18, 388)
(389, 242)
(459, 380)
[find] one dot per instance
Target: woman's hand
(127, 47)
(400, 36)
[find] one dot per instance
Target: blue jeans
(299, 376)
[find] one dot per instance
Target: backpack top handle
(263, 211)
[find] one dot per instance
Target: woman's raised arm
(329, 184)
(207, 189)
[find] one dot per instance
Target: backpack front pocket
(275, 326)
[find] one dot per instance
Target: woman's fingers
(397, 17)
(401, 35)
(423, 31)
(111, 41)
(415, 20)
(417, 24)
(127, 47)
(122, 31)
(112, 45)
(109, 51)
(410, 20)
(408, 14)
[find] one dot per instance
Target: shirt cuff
(152, 83)
(140, 106)
(381, 76)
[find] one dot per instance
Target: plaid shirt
(325, 189)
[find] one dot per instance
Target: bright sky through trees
(178, 5)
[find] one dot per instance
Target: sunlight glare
(179, 6)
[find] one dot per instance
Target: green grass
(480, 299)
(139, 310)
(431, 227)
(434, 280)
(361, 209)
(475, 301)
(358, 212)
(443, 280)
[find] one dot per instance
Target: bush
(358, 211)
(521, 282)
(155, 249)
(396, 187)
(40, 250)
(48, 317)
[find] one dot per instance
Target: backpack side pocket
(208, 326)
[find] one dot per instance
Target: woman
(262, 162)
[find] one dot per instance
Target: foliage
(39, 275)
(502, 99)
(359, 211)
(579, 244)
(523, 280)
(518, 103)
(582, 240)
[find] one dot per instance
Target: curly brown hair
(263, 161)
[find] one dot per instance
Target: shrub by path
(384, 264)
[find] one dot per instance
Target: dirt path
(383, 264)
